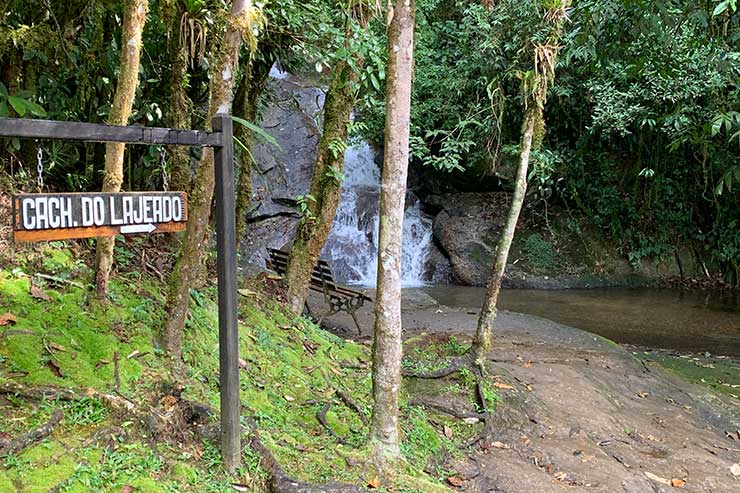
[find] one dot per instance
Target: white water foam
(352, 246)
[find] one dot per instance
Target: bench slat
(321, 276)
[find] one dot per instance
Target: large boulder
(467, 229)
(281, 173)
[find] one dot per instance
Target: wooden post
(228, 335)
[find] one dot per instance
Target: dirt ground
(583, 413)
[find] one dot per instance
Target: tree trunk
(134, 19)
(387, 349)
(314, 227)
(253, 83)
(195, 242)
(180, 105)
(484, 334)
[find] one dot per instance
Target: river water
(691, 321)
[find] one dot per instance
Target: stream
(691, 321)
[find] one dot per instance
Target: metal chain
(165, 178)
(40, 167)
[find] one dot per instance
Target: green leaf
(720, 8)
(18, 104)
(3, 108)
(257, 130)
(35, 109)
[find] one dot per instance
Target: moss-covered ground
(720, 373)
(291, 368)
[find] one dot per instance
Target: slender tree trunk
(253, 83)
(180, 104)
(134, 18)
(195, 242)
(484, 334)
(313, 230)
(387, 349)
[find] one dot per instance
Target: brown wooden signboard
(58, 216)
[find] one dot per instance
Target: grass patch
(292, 368)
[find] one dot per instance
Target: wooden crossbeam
(94, 132)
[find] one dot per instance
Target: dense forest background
(643, 121)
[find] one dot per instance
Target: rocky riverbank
(576, 411)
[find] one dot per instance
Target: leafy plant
(21, 102)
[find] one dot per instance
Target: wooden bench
(339, 298)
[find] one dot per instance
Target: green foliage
(642, 122)
(541, 254)
(21, 102)
(305, 208)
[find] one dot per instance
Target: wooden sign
(38, 217)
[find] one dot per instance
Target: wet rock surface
(583, 414)
(282, 174)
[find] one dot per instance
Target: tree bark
(484, 334)
(253, 83)
(314, 227)
(134, 18)
(180, 105)
(195, 242)
(387, 349)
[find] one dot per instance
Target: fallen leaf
(456, 481)
(528, 364)
(678, 483)
(55, 368)
(561, 476)
(7, 319)
(503, 386)
(735, 469)
(335, 371)
(133, 355)
(657, 479)
(470, 421)
(57, 347)
(39, 293)
(447, 431)
(374, 483)
(101, 363)
(530, 388)
(289, 398)
(500, 445)
(127, 488)
(240, 487)
(246, 292)
(243, 364)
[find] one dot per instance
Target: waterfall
(352, 246)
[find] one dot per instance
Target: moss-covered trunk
(195, 242)
(387, 349)
(180, 106)
(134, 18)
(484, 334)
(250, 88)
(314, 227)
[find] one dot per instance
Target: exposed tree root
(321, 416)
(454, 366)
(41, 392)
(9, 447)
(347, 399)
(281, 482)
(487, 415)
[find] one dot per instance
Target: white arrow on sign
(137, 228)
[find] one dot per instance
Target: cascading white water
(353, 242)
